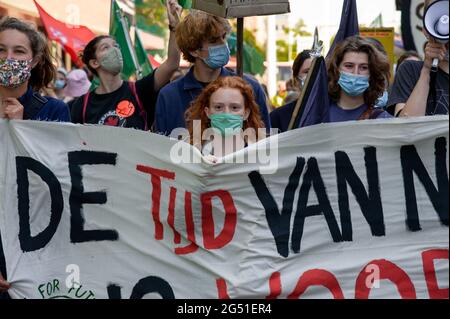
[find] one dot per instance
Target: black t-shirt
(119, 108)
(405, 81)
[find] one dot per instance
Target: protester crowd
(359, 78)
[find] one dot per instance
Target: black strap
(34, 106)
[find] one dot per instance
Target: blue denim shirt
(175, 98)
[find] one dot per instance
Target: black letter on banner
(314, 178)
(27, 242)
(152, 284)
(78, 197)
(370, 204)
(143, 287)
(279, 224)
(411, 162)
(2, 262)
(114, 291)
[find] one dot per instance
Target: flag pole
(240, 47)
(316, 55)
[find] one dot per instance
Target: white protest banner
(346, 210)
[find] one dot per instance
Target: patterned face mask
(13, 73)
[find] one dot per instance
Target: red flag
(73, 39)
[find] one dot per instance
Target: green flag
(95, 83)
(253, 60)
(141, 55)
(119, 29)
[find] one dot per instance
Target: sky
(326, 15)
(327, 12)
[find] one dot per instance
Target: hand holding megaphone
(434, 52)
(436, 25)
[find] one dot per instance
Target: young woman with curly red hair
(226, 110)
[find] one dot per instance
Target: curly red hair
(197, 109)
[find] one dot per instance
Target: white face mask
(301, 81)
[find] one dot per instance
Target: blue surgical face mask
(352, 84)
(382, 100)
(60, 84)
(218, 56)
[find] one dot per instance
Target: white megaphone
(435, 22)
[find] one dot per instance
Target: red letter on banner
(428, 258)
(222, 288)
(208, 222)
(157, 175)
(275, 286)
(190, 227)
(171, 216)
(317, 277)
(388, 270)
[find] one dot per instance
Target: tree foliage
(151, 16)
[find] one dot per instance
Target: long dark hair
(299, 60)
(44, 71)
(298, 63)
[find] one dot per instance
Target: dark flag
(349, 24)
(313, 104)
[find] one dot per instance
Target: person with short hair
(202, 39)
